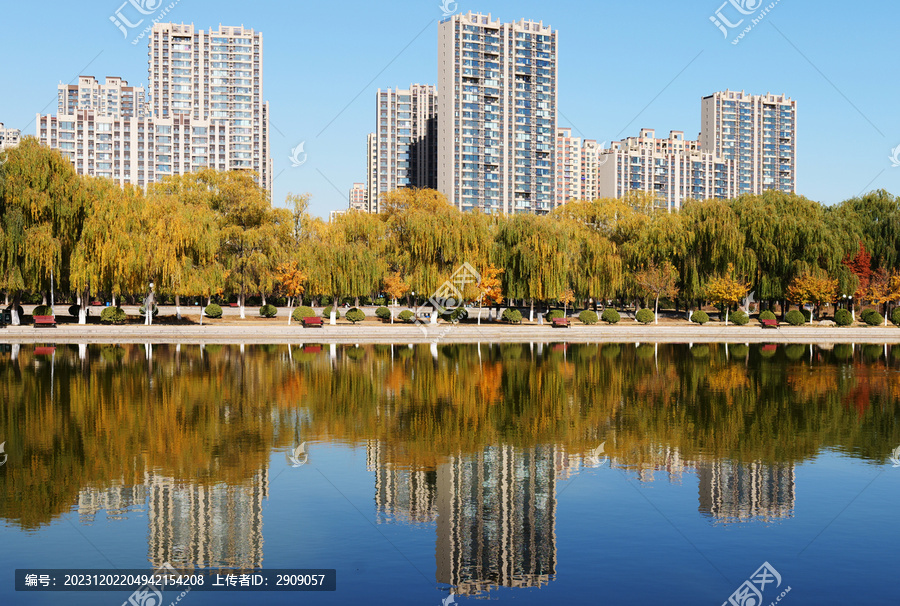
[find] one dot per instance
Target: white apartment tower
(9, 137)
(103, 129)
(358, 197)
(568, 167)
(757, 132)
(673, 169)
(497, 114)
(209, 84)
(371, 173)
(405, 139)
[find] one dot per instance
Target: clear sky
(623, 66)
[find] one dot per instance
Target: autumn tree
(395, 286)
(726, 290)
(658, 280)
(566, 297)
(490, 288)
(291, 279)
(884, 289)
(812, 288)
(42, 210)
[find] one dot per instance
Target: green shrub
(268, 311)
(113, 315)
(379, 301)
(458, 314)
(700, 317)
(874, 319)
(865, 314)
(843, 317)
(325, 300)
(143, 311)
(513, 316)
(73, 310)
(610, 316)
(326, 313)
(302, 312)
(42, 310)
(644, 316)
(213, 311)
(895, 316)
(406, 316)
(807, 315)
(795, 318)
(356, 315)
(383, 312)
(739, 317)
(589, 317)
(553, 314)
(766, 315)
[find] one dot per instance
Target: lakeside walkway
(277, 331)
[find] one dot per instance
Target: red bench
(96, 303)
(234, 305)
(769, 323)
(307, 322)
(44, 321)
(561, 323)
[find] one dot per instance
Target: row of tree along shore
(65, 237)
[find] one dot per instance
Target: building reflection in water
(495, 510)
(735, 492)
(190, 525)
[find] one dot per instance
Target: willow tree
(110, 256)
(875, 219)
(253, 234)
(787, 236)
(41, 214)
(430, 239)
(535, 252)
(182, 238)
(597, 272)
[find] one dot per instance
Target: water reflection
(471, 439)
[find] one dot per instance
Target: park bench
(561, 323)
(96, 303)
(307, 322)
(234, 305)
(769, 323)
(44, 321)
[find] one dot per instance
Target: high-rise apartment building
(103, 129)
(591, 160)
(9, 137)
(371, 173)
(358, 197)
(497, 113)
(210, 81)
(405, 142)
(568, 167)
(672, 169)
(757, 132)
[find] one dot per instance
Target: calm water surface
(530, 474)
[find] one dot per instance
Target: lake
(438, 475)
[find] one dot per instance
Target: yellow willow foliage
(112, 254)
(726, 289)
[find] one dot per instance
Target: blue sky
(623, 66)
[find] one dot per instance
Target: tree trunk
(14, 311)
(177, 306)
(356, 302)
(242, 297)
(531, 313)
(656, 311)
(82, 307)
(332, 320)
